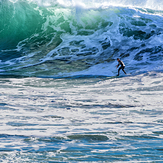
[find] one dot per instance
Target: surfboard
(116, 76)
(120, 76)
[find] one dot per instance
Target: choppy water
(73, 120)
(58, 101)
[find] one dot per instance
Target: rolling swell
(51, 39)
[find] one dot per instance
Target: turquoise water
(58, 101)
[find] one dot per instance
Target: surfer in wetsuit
(122, 66)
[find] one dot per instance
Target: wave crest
(52, 40)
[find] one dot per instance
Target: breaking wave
(64, 38)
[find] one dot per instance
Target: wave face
(63, 38)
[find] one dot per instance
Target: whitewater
(59, 98)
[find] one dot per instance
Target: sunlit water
(87, 119)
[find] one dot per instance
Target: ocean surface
(59, 99)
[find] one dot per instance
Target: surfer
(122, 66)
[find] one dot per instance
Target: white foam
(151, 4)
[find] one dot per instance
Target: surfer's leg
(123, 70)
(119, 70)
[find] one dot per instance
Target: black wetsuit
(122, 67)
